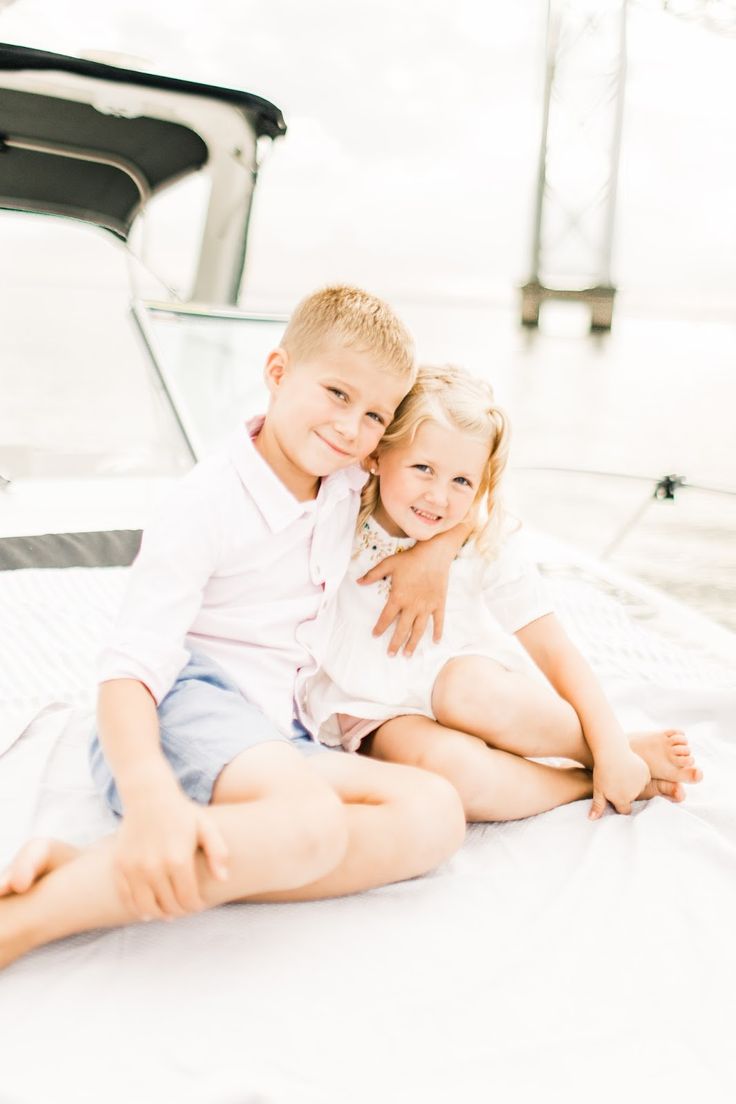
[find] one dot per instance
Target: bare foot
(667, 754)
(35, 859)
(659, 787)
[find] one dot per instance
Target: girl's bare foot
(35, 859)
(659, 787)
(667, 754)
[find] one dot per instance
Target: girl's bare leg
(493, 784)
(293, 841)
(513, 712)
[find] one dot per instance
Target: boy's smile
(325, 413)
(340, 449)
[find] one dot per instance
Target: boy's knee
(321, 830)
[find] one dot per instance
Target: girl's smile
(430, 484)
(424, 516)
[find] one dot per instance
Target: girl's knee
(471, 687)
(465, 769)
(435, 813)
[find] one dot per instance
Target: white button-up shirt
(236, 567)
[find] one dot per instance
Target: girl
(476, 708)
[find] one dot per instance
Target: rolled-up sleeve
(179, 552)
(513, 589)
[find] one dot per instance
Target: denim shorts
(205, 722)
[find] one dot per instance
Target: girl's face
(430, 484)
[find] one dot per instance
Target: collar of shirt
(275, 502)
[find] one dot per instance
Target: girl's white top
(487, 601)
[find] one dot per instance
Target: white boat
(550, 959)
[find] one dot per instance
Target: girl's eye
(376, 417)
(337, 393)
(422, 467)
(463, 481)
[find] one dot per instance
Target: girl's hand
(418, 592)
(619, 778)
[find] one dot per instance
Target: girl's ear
(370, 464)
(277, 363)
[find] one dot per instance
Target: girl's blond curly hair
(452, 397)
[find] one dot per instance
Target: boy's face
(329, 411)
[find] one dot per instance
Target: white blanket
(550, 960)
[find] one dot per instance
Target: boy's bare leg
(287, 828)
(513, 712)
(295, 841)
(401, 824)
(493, 784)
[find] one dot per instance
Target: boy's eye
(422, 467)
(337, 393)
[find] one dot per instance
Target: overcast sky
(410, 161)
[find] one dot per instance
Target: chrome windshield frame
(141, 310)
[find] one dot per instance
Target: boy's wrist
(145, 782)
(449, 543)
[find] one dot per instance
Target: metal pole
(553, 26)
(615, 148)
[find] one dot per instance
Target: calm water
(655, 396)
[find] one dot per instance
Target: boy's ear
(274, 371)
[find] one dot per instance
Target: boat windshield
(212, 365)
(80, 394)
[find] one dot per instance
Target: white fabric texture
(551, 959)
(487, 601)
(53, 624)
(230, 566)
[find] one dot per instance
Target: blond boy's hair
(356, 320)
(452, 397)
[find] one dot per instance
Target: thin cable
(626, 528)
(718, 16)
(681, 481)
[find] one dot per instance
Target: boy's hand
(418, 592)
(155, 856)
(619, 778)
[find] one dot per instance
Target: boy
(222, 795)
